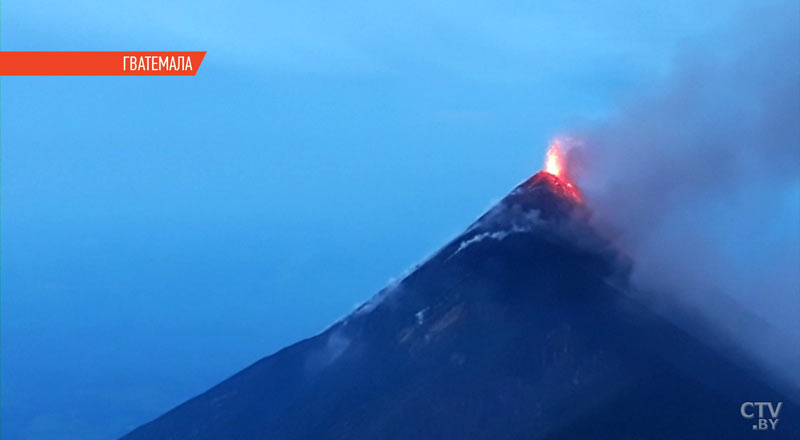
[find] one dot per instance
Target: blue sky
(159, 234)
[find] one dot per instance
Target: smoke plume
(699, 181)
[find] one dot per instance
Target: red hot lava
(555, 164)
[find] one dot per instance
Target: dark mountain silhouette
(520, 328)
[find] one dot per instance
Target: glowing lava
(554, 162)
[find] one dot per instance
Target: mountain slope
(516, 329)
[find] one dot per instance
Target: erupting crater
(556, 174)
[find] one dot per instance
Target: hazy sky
(159, 234)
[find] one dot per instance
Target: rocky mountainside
(520, 328)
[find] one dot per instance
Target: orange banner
(100, 63)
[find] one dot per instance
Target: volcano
(522, 327)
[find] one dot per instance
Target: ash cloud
(699, 182)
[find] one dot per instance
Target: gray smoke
(699, 181)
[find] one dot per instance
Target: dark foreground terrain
(520, 328)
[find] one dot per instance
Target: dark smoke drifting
(699, 182)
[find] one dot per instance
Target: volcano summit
(520, 328)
